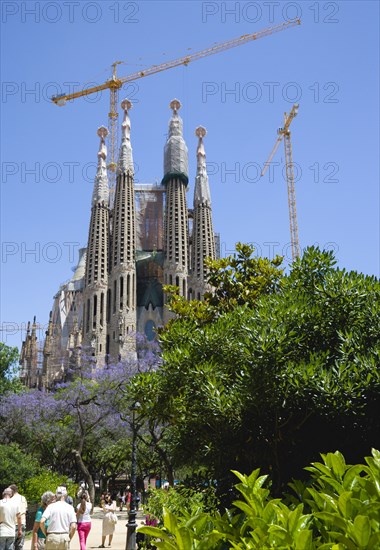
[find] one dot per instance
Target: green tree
(272, 369)
(239, 279)
(82, 429)
(9, 381)
(16, 466)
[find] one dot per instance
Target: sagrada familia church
(141, 237)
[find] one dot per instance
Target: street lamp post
(131, 525)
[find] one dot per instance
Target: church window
(149, 330)
(121, 291)
(88, 316)
(108, 305)
(101, 308)
(95, 311)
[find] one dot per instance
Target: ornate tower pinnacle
(175, 152)
(200, 132)
(202, 190)
(101, 191)
(125, 156)
(203, 242)
(175, 104)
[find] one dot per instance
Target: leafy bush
(16, 466)
(46, 480)
(178, 500)
(339, 510)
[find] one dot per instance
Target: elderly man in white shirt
(23, 505)
(9, 515)
(62, 522)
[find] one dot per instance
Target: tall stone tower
(48, 351)
(74, 347)
(121, 301)
(203, 241)
(96, 275)
(30, 376)
(176, 232)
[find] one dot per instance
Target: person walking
(109, 519)
(62, 522)
(23, 505)
(83, 518)
(9, 516)
(38, 537)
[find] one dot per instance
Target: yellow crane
(115, 83)
(285, 133)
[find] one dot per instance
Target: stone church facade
(141, 237)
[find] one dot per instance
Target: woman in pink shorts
(83, 518)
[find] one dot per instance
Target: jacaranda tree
(72, 428)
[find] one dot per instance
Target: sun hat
(61, 491)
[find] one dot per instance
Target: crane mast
(284, 133)
(291, 197)
(115, 83)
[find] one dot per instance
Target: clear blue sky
(329, 65)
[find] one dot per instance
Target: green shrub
(178, 500)
(15, 465)
(46, 480)
(338, 510)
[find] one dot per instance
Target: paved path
(95, 535)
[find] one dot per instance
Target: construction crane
(285, 133)
(115, 82)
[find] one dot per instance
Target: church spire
(176, 232)
(121, 341)
(175, 152)
(203, 241)
(202, 189)
(101, 191)
(96, 274)
(125, 156)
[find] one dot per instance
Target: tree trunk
(170, 473)
(164, 457)
(86, 475)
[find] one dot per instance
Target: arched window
(121, 292)
(150, 330)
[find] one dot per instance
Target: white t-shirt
(22, 504)
(60, 516)
(8, 517)
(84, 518)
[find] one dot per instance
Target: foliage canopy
(339, 509)
(271, 369)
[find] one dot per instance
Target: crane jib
(117, 83)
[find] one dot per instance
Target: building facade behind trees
(141, 236)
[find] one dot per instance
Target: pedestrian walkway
(95, 535)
